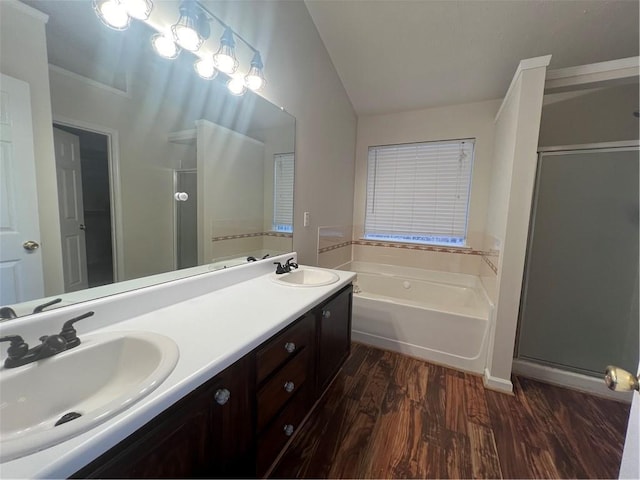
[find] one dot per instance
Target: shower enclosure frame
(547, 371)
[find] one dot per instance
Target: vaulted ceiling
(396, 55)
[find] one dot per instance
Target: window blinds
(283, 192)
(419, 192)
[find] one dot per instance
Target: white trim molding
(525, 64)
(593, 74)
(91, 82)
(115, 188)
(495, 383)
(566, 379)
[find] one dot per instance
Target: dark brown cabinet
(209, 433)
(237, 423)
(334, 336)
(285, 385)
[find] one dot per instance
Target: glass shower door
(579, 307)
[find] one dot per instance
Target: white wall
(514, 167)
(302, 79)
(472, 120)
(230, 186)
(22, 35)
(146, 160)
(590, 116)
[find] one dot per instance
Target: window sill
(418, 246)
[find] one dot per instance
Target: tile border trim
(334, 247)
(249, 235)
(409, 246)
(425, 248)
(490, 263)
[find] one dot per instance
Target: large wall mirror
(175, 176)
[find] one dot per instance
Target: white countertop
(212, 331)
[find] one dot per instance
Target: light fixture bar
(224, 25)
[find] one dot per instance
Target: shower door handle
(619, 380)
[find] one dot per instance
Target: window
(283, 192)
(419, 192)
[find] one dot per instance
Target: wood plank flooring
(391, 416)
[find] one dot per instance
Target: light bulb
(254, 82)
(140, 9)
(164, 46)
(205, 68)
(236, 86)
(112, 13)
(225, 58)
(255, 78)
(187, 37)
(225, 63)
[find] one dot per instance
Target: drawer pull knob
(289, 386)
(288, 429)
(222, 396)
(326, 313)
(290, 347)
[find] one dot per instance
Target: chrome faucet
(19, 353)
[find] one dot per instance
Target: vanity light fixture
(205, 68)
(225, 58)
(140, 9)
(236, 85)
(189, 32)
(192, 28)
(112, 13)
(164, 46)
(254, 80)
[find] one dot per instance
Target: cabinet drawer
(283, 385)
(283, 346)
(279, 432)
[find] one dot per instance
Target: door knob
(31, 245)
(83, 226)
(620, 380)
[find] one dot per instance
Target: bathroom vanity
(254, 357)
(237, 423)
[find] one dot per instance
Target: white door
(69, 173)
(21, 276)
(630, 465)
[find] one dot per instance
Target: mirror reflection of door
(82, 165)
(186, 181)
(21, 274)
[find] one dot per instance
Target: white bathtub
(438, 316)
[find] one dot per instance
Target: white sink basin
(306, 277)
(104, 375)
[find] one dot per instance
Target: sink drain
(67, 417)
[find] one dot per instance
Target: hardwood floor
(391, 416)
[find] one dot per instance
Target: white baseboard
(563, 378)
(496, 383)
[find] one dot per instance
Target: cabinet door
(206, 434)
(334, 336)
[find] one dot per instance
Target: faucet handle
(69, 333)
(18, 347)
(280, 269)
(291, 264)
(40, 308)
(7, 313)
